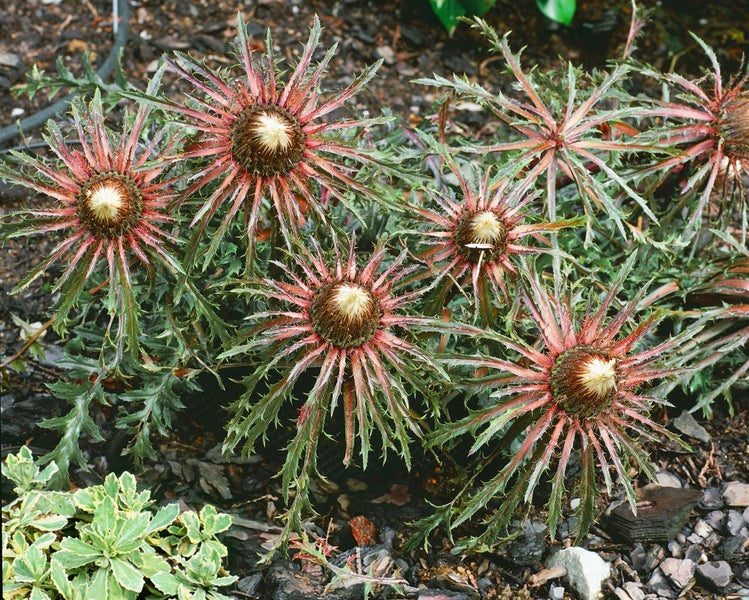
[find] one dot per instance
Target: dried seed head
(584, 381)
(267, 140)
(480, 236)
(346, 314)
(109, 204)
(733, 125)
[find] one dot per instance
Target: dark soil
(410, 39)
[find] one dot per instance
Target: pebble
(668, 479)
(715, 519)
(586, 570)
(659, 583)
(634, 590)
(529, 547)
(735, 522)
(736, 494)
(686, 424)
(716, 575)
(711, 499)
(556, 592)
(680, 572)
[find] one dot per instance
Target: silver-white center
(273, 132)
(353, 302)
(598, 376)
(485, 228)
(105, 203)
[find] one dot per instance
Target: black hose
(39, 118)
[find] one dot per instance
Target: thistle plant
(557, 138)
(575, 387)
(710, 128)
(473, 235)
(258, 140)
(360, 282)
(111, 206)
(343, 320)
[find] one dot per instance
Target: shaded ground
(413, 44)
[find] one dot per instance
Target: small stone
(634, 590)
(387, 54)
(736, 494)
(659, 584)
(695, 554)
(667, 479)
(711, 499)
(586, 570)
(249, 585)
(735, 522)
(556, 592)
(715, 575)
(434, 594)
(674, 548)
(686, 424)
(702, 529)
(746, 515)
(680, 572)
(528, 548)
(715, 519)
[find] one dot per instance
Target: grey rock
(249, 586)
(634, 590)
(746, 515)
(686, 424)
(286, 581)
(435, 594)
(528, 548)
(735, 522)
(715, 575)
(556, 592)
(731, 547)
(659, 583)
(711, 499)
(736, 494)
(695, 554)
(715, 519)
(674, 548)
(667, 479)
(702, 528)
(586, 570)
(679, 572)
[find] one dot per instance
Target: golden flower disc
(480, 236)
(109, 204)
(345, 314)
(267, 140)
(584, 381)
(734, 126)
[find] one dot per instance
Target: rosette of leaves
(105, 541)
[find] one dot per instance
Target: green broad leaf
(449, 12)
(60, 579)
(131, 532)
(126, 574)
(561, 11)
(191, 522)
(163, 518)
(49, 522)
(31, 566)
(39, 594)
(166, 583)
(75, 553)
(98, 587)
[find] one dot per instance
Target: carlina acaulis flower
(473, 236)
(709, 125)
(111, 205)
(340, 324)
(262, 141)
(733, 125)
(577, 388)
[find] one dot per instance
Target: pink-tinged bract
(577, 388)
(111, 207)
(261, 140)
